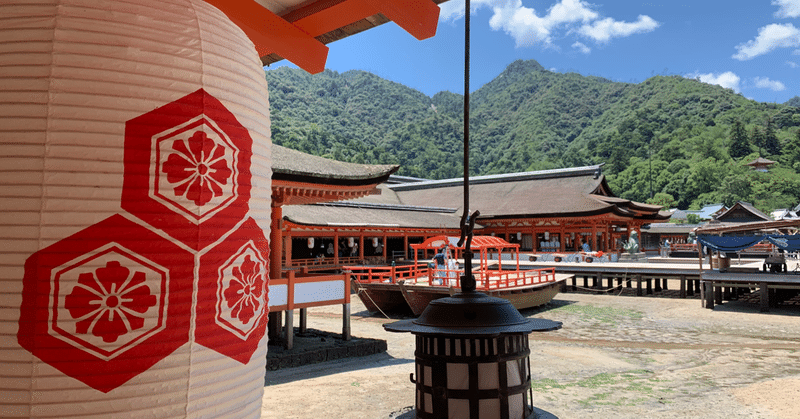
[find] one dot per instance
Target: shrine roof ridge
(355, 204)
(593, 170)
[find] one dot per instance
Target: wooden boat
(412, 287)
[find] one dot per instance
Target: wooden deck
(719, 286)
(646, 278)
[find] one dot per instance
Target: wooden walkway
(646, 278)
(719, 286)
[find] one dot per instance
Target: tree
(664, 199)
(771, 144)
(739, 145)
(757, 136)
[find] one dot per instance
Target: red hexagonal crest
(107, 303)
(187, 169)
(232, 293)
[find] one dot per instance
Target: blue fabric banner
(787, 243)
(729, 243)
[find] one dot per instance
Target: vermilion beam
(272, 34)
(294, 39)
(417, 17)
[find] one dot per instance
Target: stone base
(315, 346)
(625, 256)
(405, 413)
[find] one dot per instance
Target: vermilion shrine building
(546, 211)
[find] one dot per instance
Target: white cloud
(529, 28)
(766, 83)
(787, 8)
(769, 37)
(728, 79)
(605, 29)
(581, 47)
(792, 64)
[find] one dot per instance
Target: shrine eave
(298, 30)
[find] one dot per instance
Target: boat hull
(379, 297)
(417, 297)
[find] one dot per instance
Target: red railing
(492, 280)
(485, 280)
(292, 279)
(326, 261)
(386, 274)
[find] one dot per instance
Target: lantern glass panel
(514, 372)
(457, 376)
(489, 409)
(516, 406)
(458, 409)
(488, 376)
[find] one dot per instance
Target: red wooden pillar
(275, 242)
(361, 245)
(336, 248)
(287, 248)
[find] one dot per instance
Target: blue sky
(750, 46)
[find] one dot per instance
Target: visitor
(439, 260)
(586, 247)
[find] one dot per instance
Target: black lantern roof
(471, 314)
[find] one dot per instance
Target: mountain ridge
(530, 118)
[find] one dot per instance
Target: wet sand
(616, 357)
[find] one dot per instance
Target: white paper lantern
(350, 241)
(374, 242)
(310, 242)
(135, 190)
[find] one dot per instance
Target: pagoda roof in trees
(760, 162)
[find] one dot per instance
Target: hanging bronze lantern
(472, 358)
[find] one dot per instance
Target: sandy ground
(615, 357)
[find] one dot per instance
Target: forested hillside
(668, 140)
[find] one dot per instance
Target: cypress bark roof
(292, 165)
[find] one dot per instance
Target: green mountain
(667, 140)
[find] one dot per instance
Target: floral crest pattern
(110, 302)
(244, 292)
(198, 169)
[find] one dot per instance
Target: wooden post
(649, 286)
(718, 295)
(289, 332)
(665, 285)
(683, 287)
(274, 325)
(764, 291)
(346, 321)
(303, 320)
(657, 284)
(638, 285)
(708, 290)
(574, 283)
